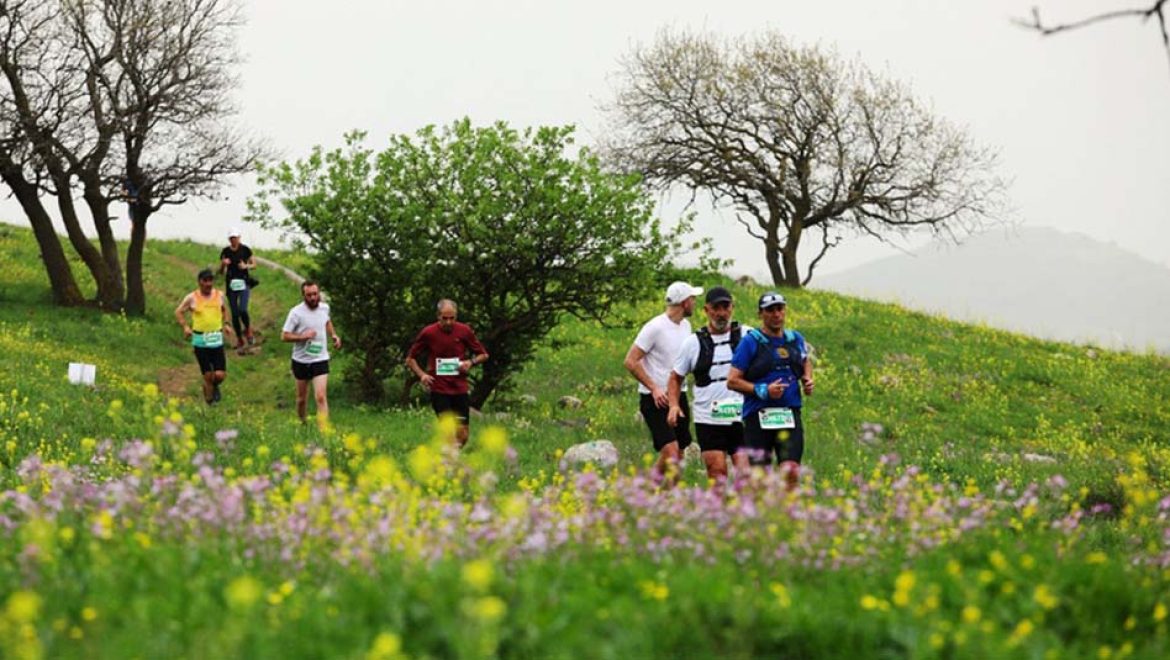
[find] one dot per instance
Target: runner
(206, 330)
(447, 344)
(717, 411)
(309, 327)
(236, 261)
(771, 381)
(649, 360)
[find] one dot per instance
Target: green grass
(966, 404)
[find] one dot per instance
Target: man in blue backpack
(771, 368)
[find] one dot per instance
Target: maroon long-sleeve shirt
(436, 343)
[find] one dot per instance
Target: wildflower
(23, 607)
(1159, 612)
(386, 646)
(478, 574)
(971, 614)
(1044, 597)
(998, 561)
(1021, 631)
(782, 596)
(88, 614)
(869, 602)
(494, 440)
(652, 590)
(488, 609)
(423, 462)
(243, 592)
(1097, 557)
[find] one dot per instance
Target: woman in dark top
(236, 260)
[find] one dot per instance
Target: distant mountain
(1038, 281)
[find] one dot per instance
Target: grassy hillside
(962, 401)
(1018, 477)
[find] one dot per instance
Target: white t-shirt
(660, 339)
(707, 398)
(301, 319)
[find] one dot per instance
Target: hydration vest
(707, 354)
(765, 360)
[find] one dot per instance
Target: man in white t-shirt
(649, 359)
(308, 326)
(717, 410)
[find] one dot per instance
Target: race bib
(728, 410)
(207, 340)
(315, 347)
(238, 285)
(447, 366)
(777, 418)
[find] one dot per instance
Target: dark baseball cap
(717, 295)
(771, 299)
(206, 274)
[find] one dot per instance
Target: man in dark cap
(771, 368)
(717, 410)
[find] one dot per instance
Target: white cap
(234, 232)
(677, 292)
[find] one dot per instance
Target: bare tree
(142, 97)
(795, 140)
(1155, 10)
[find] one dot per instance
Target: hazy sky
(1082, 120)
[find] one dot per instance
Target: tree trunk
(772, 256)
(370, 388)
(135, 289)
(791, 268)
(61, 280)
(108, 289)
(99, 209)
(487, 383)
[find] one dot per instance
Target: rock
(570, 402)
(1037, 458)
(577, 423)
(527, 399)
(745, 280)
(600, 453)
(475, 413)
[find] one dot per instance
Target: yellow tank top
(207, 315)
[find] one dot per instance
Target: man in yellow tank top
(209, 321)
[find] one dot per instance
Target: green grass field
(1013, 505)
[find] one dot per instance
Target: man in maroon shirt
(447, 344)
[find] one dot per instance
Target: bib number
(447, 366)
(728, 410)
(315, 347)
(208, 340)
(777, 418)
(238, 285)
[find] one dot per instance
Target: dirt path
(182, 381)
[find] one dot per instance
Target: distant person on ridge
(770, 368)
(718, 412)
(649, 360)
(208, 314)
(309, 328)
(452, 350)
(236, 261)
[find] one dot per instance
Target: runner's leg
(320, 383)
(302, 398)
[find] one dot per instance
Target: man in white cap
(237, 262)
(650, 359)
